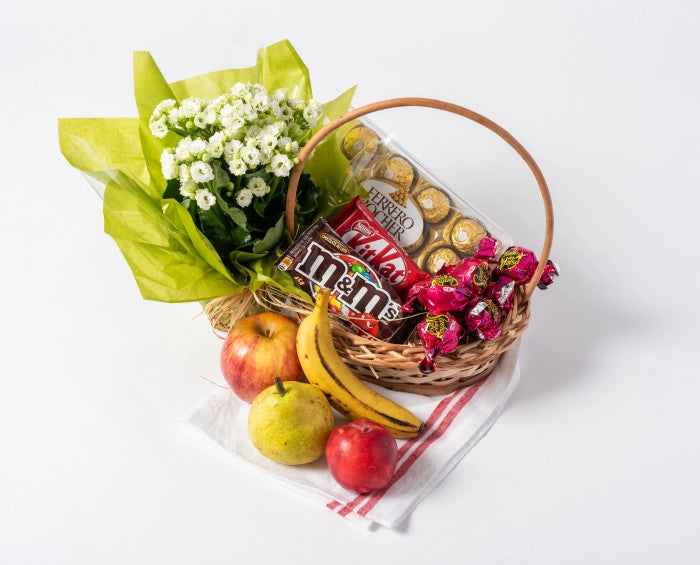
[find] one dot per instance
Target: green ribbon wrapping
(171, 260)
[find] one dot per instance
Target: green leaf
(172, 190)
(214, 228)
(259, 205)
(240, 236)
(221, 178)
(272, 237)
(236, 215)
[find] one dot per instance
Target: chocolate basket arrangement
(224, 180)
(400, 364)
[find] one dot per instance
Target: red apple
(362, 455)
(256, 350)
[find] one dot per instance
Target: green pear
(290, 422)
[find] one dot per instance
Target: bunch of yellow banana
(345, 391)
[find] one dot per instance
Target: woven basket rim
(390, 365)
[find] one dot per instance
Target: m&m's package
(319, 258)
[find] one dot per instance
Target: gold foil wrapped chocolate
(396, 170)
(439, 256)
(360, 144)
(465, 235)
(434, 204)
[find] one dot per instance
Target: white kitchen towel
(454, 423)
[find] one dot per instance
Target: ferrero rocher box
(432, 223)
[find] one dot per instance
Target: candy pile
(469, 299)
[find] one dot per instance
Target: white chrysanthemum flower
(219, 102)
(239, 90)
(287, 145)
(169, 164)
(260, 102)
(248, 113)
(164, 106)
(198, 147)
(205, 118)
(275, 129)
(188, 188)
(201, 172)
(183, 151)
(232, 149)
(267, 142)
(295, 103)
(231, 124)
(159, 128)
(253, 134)
(204, 198)
(258, 186)
(227, 111)
(251, 155)
(211, 115)
(282, 111)
(244, 197)
(199, 120)
(184, 173)
(256, 88)
(191, 106)
(280, 165)
(238, 167)
(174, 115)
(312, 112)
(279, 95)
(215, 145)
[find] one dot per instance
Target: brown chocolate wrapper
(319, 258)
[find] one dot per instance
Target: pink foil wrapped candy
(439, 334)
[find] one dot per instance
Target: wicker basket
(391, 365)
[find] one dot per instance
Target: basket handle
(447, 107)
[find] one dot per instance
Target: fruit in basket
(349, 395)
(290, 422)
(362, 455)
(257, 349)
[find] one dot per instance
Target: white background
(595, 459)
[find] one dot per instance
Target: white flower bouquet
(194, 188)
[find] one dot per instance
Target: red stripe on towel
(422, 447)
(420, 442)
(429, 423)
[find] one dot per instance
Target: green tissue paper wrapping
(171, 260)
